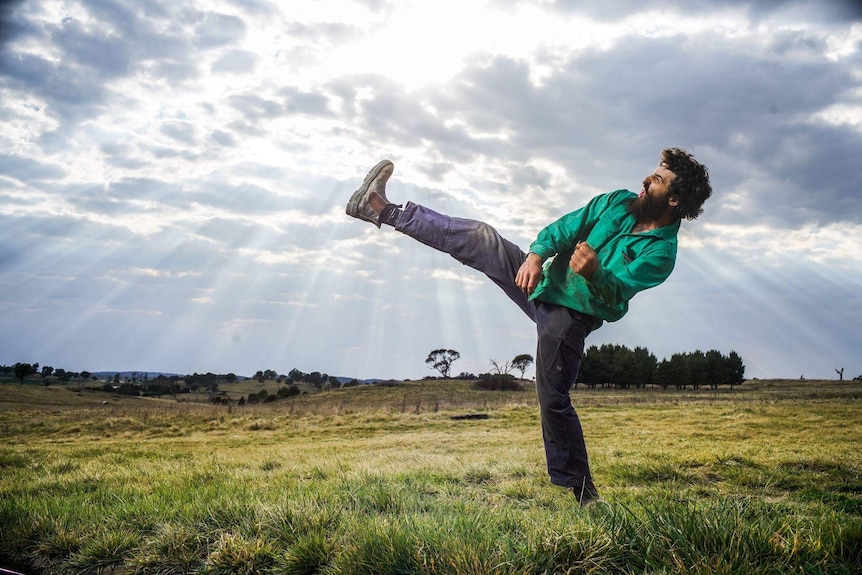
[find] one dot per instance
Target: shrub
(498, 382)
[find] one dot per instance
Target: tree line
(617, 365)
(605, 365)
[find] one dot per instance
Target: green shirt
(628, 262)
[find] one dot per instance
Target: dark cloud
(526, 175)
(28, 170)
(213, 29)
(9, 26)
(401, 118)
(70, 92)
(117, 40)
(618, 107)
(106, 53)
(814, 10)
(152, 31)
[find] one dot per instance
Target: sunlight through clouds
(173, 176)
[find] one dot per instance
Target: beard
(647, 208)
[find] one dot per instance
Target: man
(620, 243)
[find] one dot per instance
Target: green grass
(379, 480)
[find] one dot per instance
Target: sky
(174, 175)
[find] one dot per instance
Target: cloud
(254, 107)
(28, 170)
(675, 91)
(159, 154)
(235, 62)
(831, 10)
(106, 53)
(215, 30)
(300, 102)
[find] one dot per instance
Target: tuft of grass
(236, 554)
(172, 548)
(104, 550)
(308, 554)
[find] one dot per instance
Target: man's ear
(673, 201)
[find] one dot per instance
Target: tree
(678, 371)
(840, 373)
(296, 375)
(442, 360)
(735, 369)
(522, 362)
(716, 369)
(699, 369)
(501, 369)
(635, 367)
(47, 370)
(22, 370)
(663, 374)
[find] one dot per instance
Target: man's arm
(529, 274)
(562, 235)
(648, 270)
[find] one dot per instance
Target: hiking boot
(359, 205)
(586, 493)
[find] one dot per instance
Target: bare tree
(501, 369)
(840, 373)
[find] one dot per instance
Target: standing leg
(561, 335)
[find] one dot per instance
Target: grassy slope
(382, 480)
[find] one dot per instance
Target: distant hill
(155, 374)
(149, 374)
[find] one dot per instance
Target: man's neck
(648, 225)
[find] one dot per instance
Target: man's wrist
(535, 258)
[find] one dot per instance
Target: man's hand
(529, 274)
(584, 261)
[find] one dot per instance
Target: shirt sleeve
(564, 233)
(648, 270)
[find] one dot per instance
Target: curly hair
(691, 184)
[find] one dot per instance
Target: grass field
(766, 478)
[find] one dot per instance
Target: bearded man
(581, 271)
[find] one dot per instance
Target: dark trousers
(561, 331)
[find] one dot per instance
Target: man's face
(657, 184)
(655, 196)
